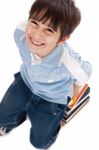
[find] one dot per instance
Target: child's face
(41, 38)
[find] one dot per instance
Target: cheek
(51, 41)
(51, 45)
(28, 30)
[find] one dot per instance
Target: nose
(38, 34)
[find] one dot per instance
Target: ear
(63, 40)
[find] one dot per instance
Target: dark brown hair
(61, 13)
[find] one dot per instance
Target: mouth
(36, 43)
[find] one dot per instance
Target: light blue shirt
(51, 77)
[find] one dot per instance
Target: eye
(50, 30)
(34, 22)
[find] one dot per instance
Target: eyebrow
(48, 26)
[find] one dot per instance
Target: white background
(82, 132)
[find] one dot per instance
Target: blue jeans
(19, 102)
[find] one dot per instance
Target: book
(73, 101)
(80, 99)
(68, 117)
(75, 106)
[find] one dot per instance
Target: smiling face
(41, 38)
(50, 24)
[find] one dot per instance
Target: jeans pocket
(61, 107)
(57, 108)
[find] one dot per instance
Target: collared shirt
(51, 77)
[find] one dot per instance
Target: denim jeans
(19, 102)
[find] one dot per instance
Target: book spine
(75, 99)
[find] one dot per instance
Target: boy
(50, 69)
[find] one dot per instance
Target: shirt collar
(35, 58)
(53, 58)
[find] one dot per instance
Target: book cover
(82, 96)
(82, 99)
(76, 99)
(68, 117)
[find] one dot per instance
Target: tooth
(36, 43)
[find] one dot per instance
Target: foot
(2, 131)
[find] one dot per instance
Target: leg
(12, 106)
(45, 120)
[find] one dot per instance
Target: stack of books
(76, 104)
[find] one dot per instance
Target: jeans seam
(11, 123)
(58, 119)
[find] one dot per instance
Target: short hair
(61, 13)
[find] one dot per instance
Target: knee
(40, 143)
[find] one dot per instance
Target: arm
(79, 69)
(19, 33)
(76, 89)
(19, 37)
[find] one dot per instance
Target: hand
(62, 123)
(76, 89)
